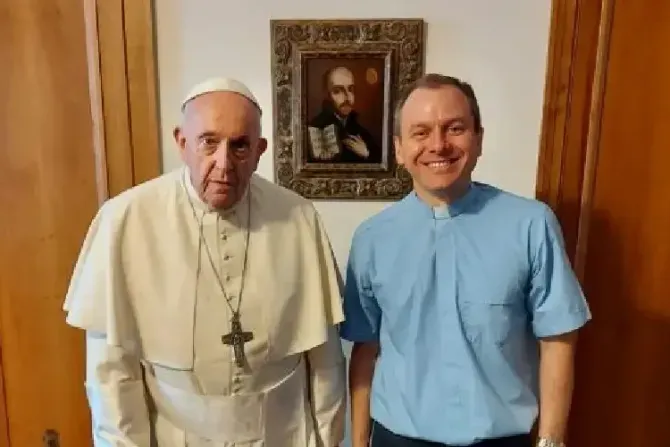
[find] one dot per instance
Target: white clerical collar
(448, 211)
(201, 205)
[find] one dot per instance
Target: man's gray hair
(434, 81)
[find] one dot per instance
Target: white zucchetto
(220, 85)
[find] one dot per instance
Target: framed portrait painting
(335, 85)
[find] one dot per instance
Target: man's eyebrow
(243, 138)
(421, 125)
(448, 121)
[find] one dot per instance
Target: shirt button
(226, 257)
(224, 237)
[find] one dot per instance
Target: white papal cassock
(157, 370)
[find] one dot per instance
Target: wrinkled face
(439, 144)
(220, 142)
(341, 90)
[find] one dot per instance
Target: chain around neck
(203, 242)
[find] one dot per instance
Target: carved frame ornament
(399, 43)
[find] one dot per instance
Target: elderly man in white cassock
(210, 299)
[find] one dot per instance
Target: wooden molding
(4, 416)
(574, 33)
(123, 90)
(593, 137)
(556, 99)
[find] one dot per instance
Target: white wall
(498, 46)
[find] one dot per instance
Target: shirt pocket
(491, 320)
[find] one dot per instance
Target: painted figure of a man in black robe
(335, 134)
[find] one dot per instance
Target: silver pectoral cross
(237, 338)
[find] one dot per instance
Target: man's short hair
(434, 81)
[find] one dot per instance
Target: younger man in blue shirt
(449, 293)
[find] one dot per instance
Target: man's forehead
(445, 101)
(222, 108)
(341, 76)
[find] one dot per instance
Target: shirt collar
(448, 211)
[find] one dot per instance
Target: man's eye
(240, 145)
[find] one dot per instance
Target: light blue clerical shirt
(457, 297)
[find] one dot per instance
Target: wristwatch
(544, 442)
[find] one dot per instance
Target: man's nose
(221, 156)
(437, 141)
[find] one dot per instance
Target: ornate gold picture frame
(335, 85)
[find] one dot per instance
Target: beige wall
(499, 46)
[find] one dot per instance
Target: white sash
(236, 418)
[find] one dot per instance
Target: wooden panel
(571, 61)
(4, 417)
(622, 395)
(612, 200)
(48, 195)
(142, 88)
(115, 107)
(128, 98)
(78, 123)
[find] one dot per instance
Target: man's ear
(262, 146)
(180, 139)
(398, 150)
(480, 140)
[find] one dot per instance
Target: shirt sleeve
(115, 392)
(328, 390)
(362, 314)
(556, 300)
(96, 302)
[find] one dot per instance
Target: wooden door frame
(575, 81)
(574, 90)
(124, 98)
(121, 52)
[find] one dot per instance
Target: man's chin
(220, 200)
(441, 183)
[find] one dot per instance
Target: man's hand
(357, 145)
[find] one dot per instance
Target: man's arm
(116, 395)
(556, 384)
(362, 320)
(328, 394)
(559, 309)
(361, 371)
